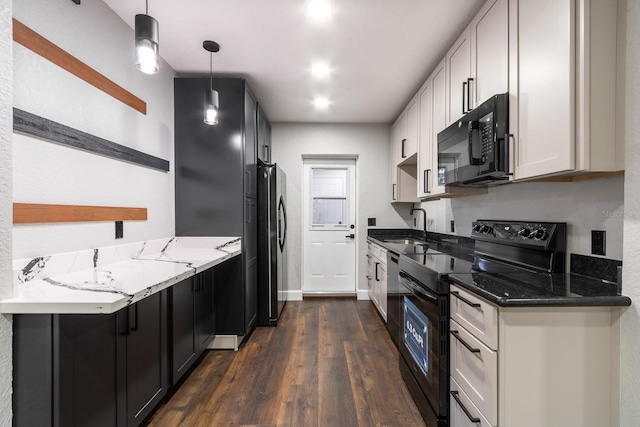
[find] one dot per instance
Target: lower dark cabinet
(90, 369)
(192, 321)
(144, 326)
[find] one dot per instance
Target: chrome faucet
(424, 217)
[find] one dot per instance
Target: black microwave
(474, 151)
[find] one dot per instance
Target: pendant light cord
(147, 3)
(211, 68)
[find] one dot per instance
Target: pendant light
(211, 100)
(147, 35)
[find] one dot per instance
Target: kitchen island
(100, 336)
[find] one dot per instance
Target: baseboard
(226, 342)
(363, 294)
(294, 295)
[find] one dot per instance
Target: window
(329, 197)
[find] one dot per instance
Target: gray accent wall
(370, 142)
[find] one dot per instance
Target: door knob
(350, 236)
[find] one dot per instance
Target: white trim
(330, 156)
(226, 342)
(363, 294)
(295, 295)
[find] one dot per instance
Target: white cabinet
(458, 65)
(425, 149)
(531, 366)
(403, 155)
(410, 146)
(489, 34)
(377, 277)
(477, 63)
(563, 114)
(438, 120)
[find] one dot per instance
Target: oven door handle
(473, 419)
(417, 289)
(464, 300)
(456, 335)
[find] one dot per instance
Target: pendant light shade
(211, 99)
(211, 105)
(147, 48)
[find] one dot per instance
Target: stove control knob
(486, 229)
(527, 233)
(476, 227)
(540, 234)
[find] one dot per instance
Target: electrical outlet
(119, 230)
(598, 242)
(371, 222)
(453, 226)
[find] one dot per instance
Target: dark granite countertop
(448, 244)
(524, 289)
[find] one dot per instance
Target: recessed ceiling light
(321, 102)
(318, 9)
(320, 70)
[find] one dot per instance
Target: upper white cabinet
(478, 62)
(425, 149)
(438, 120)
(410, 146)
(402, 169)
(458, 66)
(489, 33)
(563, 115)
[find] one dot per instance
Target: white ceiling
(380, 50)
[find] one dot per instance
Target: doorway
(329, 226)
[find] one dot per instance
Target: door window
(329, 193)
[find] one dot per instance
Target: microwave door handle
(473, 126)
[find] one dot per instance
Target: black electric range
(523, 264)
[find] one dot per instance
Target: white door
(329, 226)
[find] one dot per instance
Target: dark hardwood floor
(329, 363)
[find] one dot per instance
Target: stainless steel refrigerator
(272, 243)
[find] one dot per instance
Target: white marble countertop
(107, 279)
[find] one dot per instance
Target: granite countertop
(107, 279)
(523, 289)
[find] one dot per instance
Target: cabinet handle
(474, 420)
(464, 89)
(464, 300)
(125, 329)
(402, 149)
(508, 137)
(377, 264)
(425, 179)
(456, 335)
(393, 192)
(469, 80)
(135, 317)
(267, 154)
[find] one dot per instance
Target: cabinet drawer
(474, 366)
(475, 315)
(463, 412)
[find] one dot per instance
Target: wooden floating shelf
(28, 213)
(43, 47)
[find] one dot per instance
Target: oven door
(424, 340)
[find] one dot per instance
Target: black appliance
(423, 317)
(272, 243)
(516, 261)
(474, 151)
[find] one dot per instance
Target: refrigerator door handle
(281, 208)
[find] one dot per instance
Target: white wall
(371, 143)
(584, 205)
(49, 173)
(6, 287)
(630, 323)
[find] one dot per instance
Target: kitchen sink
(406, 241)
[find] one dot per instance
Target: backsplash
(584, 205)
